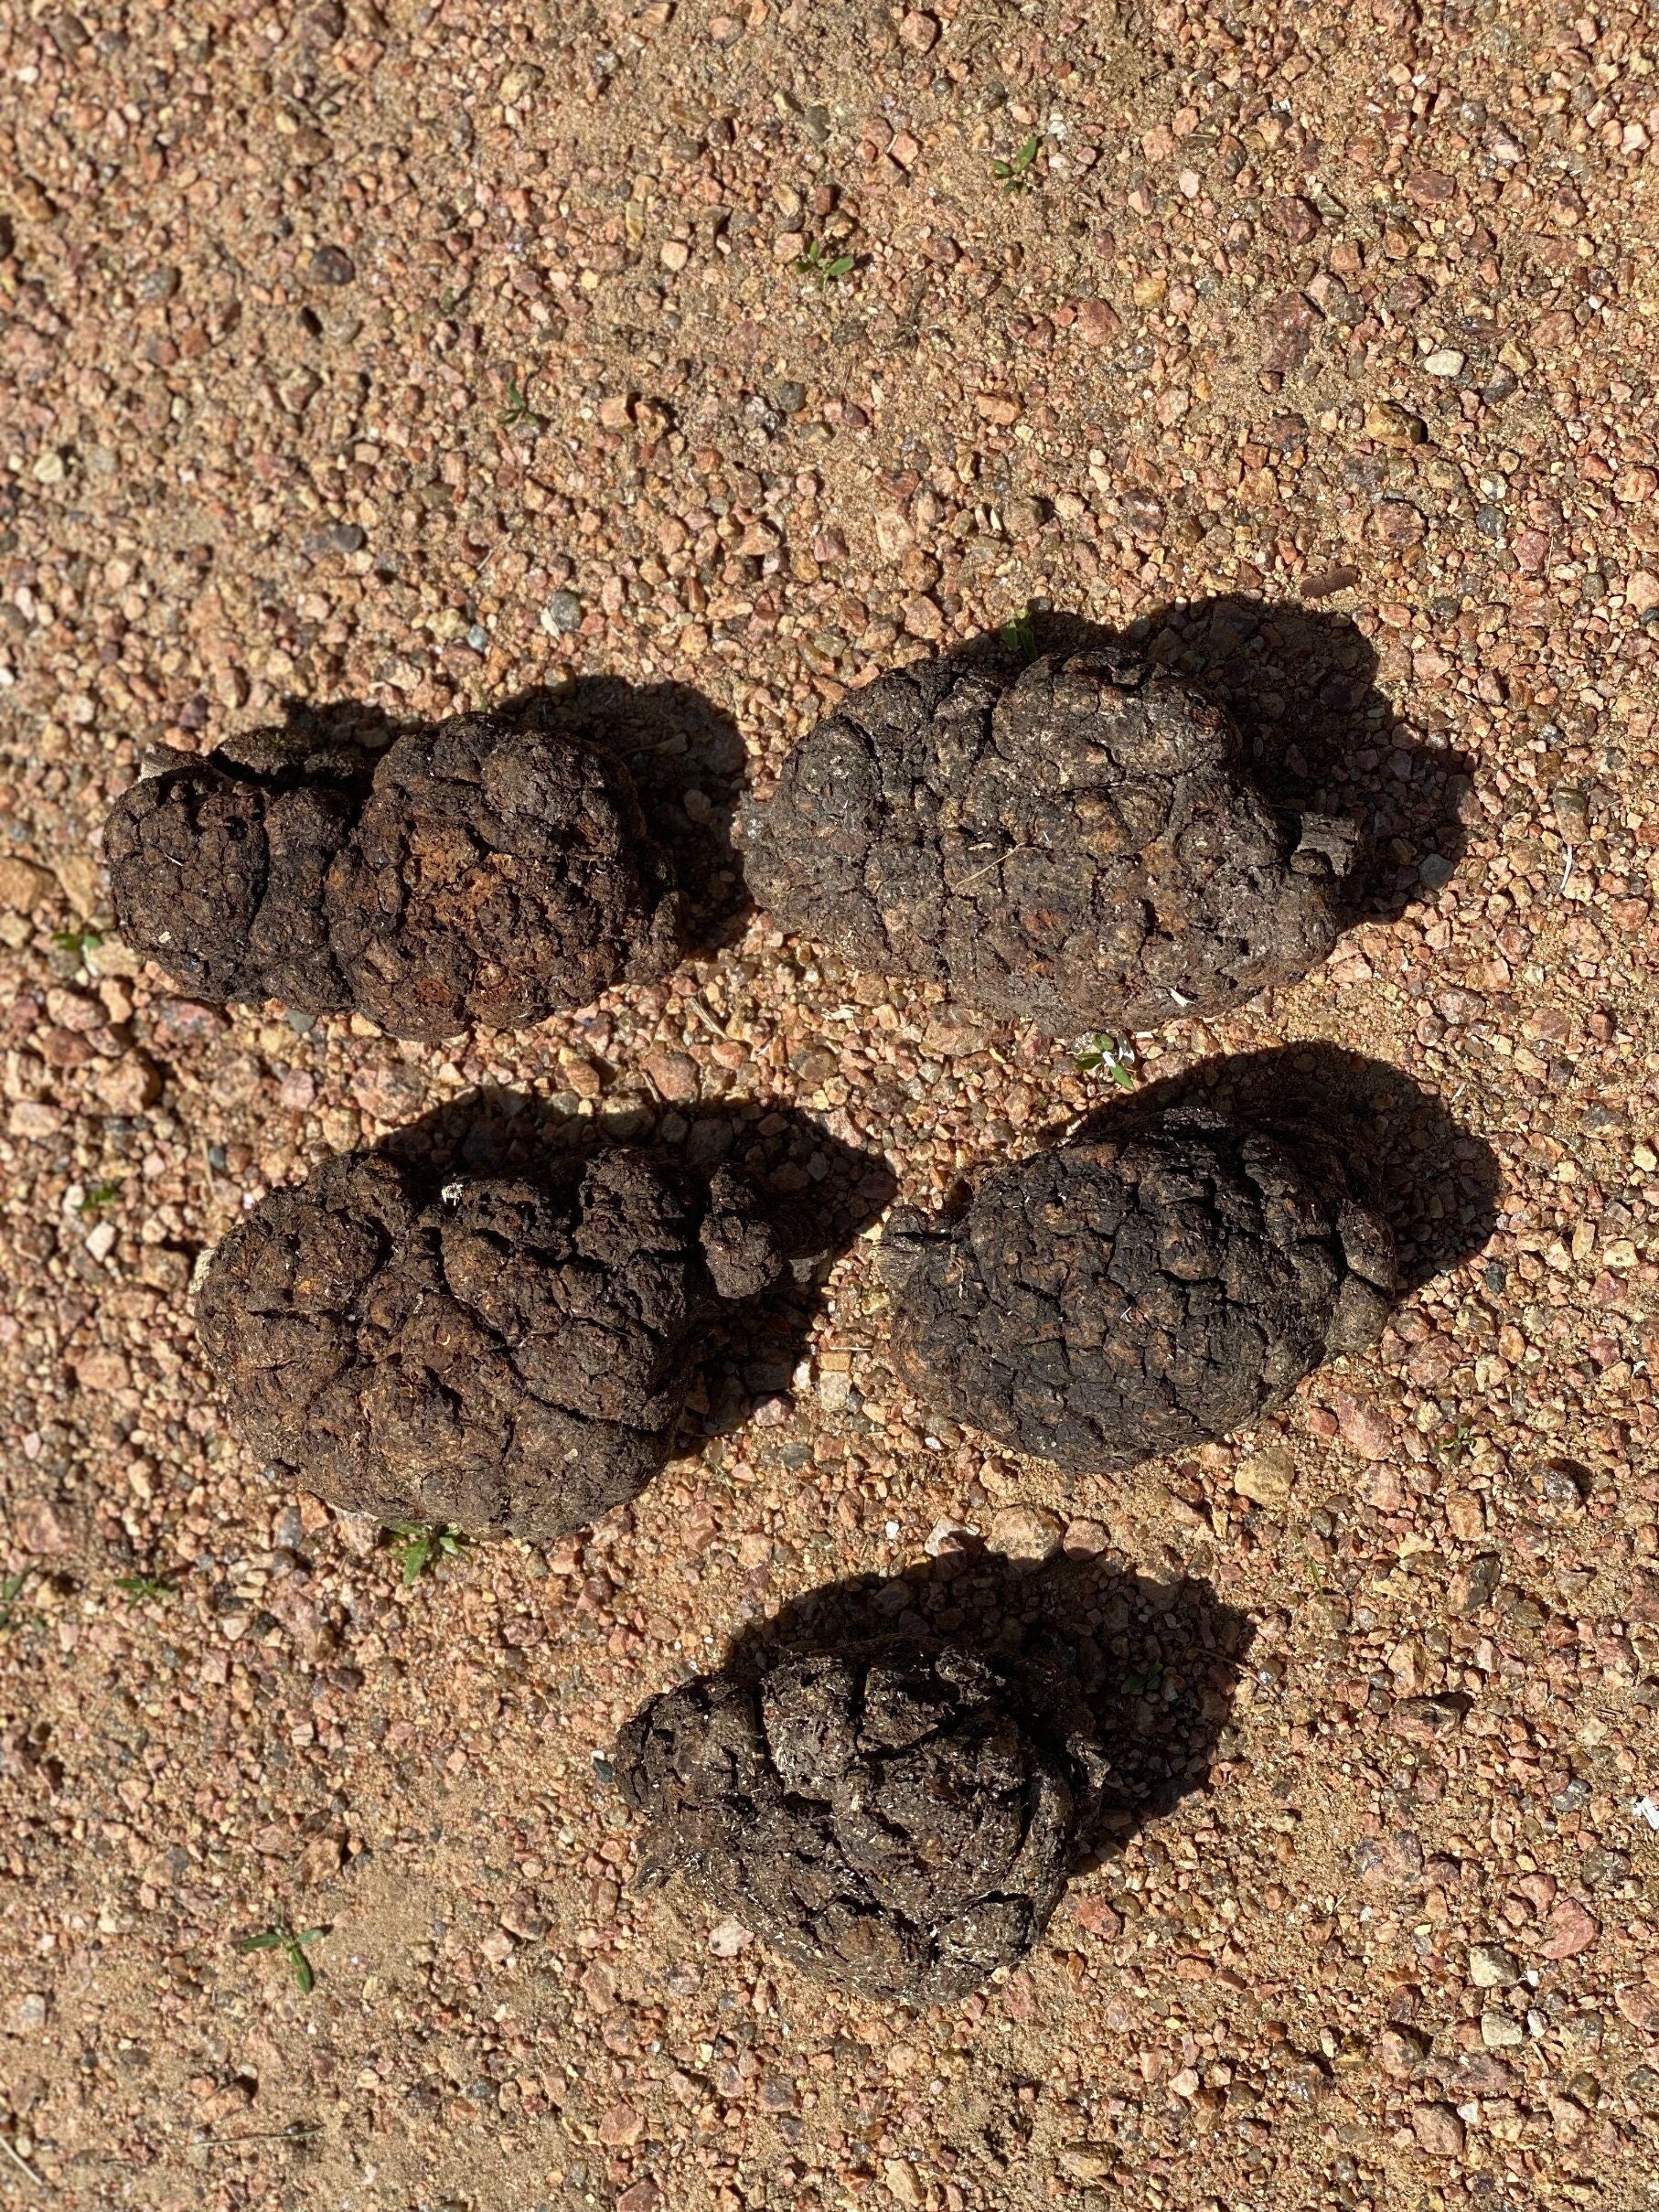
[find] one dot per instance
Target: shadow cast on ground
(1156, 1663)
(1302, 685)
(818, 1193)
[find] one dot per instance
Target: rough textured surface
(898, 1817)
(490, 874)
(218, 867)
(510, 1357)
(1078, 847)
(496, 876)
(1157, 1286)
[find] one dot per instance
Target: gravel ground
(357, 368)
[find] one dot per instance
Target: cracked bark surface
(898, 1816)
(1137, 1292)
(477, 873)
(1079, 848)
(507, 1355)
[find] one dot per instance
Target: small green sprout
(421, 1543)
(77, 941)
(291, 1942)
(821, 261)
(11, 1589)
(1019, 633)
(1455, 1444)
(518, 410)
(139, 1588)
(100, 1194)
(1115, 1054)
(450, 298)
(1016, 172)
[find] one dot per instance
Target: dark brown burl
(505, 1355)
(216, 868)
(483, 874)
(496, 876)
(1079, 848)
(1113, 1299)
(898, 1816)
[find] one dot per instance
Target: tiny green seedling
(450, 298)
(1019, 633)
(291, 1943)
(518, 411)
(77, 941)
(1015, 173)
(1457, 1443)
(1113, 1053)
(421, 1543)
(821, 261)
(100, 1196)
(139, 1589)
(11, 1589)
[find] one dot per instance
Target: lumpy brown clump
(218, 867)
(1138, 1293)
(898, 1817)
(507, 1355)
(477, 873)
(1078, 847)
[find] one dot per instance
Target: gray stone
(1492, 1967)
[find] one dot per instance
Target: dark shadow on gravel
(686, 756)
(1434, 1182)
(816, 1192)
(1302, 685)
(1318, 736)
(1156, 1663)
(342, 722)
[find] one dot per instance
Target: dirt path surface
(357, 368)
